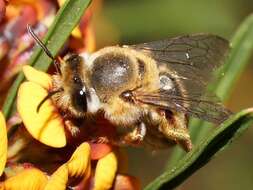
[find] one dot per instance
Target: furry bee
(148, 90)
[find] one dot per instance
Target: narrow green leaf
(242, 48)
(65, 21)
(204, 152)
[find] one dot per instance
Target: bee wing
(205, 107)
(190, 61)
(189, 57)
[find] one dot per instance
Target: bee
(147, 91)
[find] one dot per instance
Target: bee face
(73, 72)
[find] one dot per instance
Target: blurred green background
(135, 21)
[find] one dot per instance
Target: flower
(46, 125)
(80, 171)
(41, 154)
(3, 143)
(78, 166)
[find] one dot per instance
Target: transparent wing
(201, 106)
(189, 61)
(192, 57)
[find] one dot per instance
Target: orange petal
(39, 77)
(76, 32)
(58, 179)
(105, 172)
(22, 2)
(12, 11)
(79, 162)
(29, 179)
(3, 143)
(46, 125)
(4, 46)
(126, 182)
(99, 150)
(89, 40)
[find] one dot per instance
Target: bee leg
(174, 128)
(138, 133)
(134, 137)
(178, 134)
(100, 140)
(71, 128)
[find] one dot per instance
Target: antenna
(55, 60)
(44, 48)
(49, 95)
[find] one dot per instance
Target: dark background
(135, 21)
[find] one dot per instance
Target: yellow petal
(3, 143)
(87, 174)
(46, 125)
(79, 162)
(105, 172)
(58, 179)
(61, 2)
(39, 77)
(28, 179)
(76, 32)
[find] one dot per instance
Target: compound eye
(79, 100)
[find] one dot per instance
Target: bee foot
(100, 140)
(186, 145)
(137, 135)
(141, 131)
(72, 129)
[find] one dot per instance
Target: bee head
(70, 90)
(72, 75)
(75, 79)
